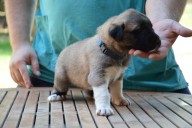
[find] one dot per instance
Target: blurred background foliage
(183, 53)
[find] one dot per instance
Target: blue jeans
(184, 91)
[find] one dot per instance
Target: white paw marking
(55, 97)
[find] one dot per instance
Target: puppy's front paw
(121, 101)
(104, 111)
(55, 97)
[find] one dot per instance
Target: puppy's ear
(117, 31)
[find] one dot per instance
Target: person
(60, 23)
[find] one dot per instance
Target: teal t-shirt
(63, 22)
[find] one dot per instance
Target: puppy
(98, 63)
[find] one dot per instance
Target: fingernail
(27, 85)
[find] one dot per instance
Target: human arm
(164, 15)
(20, 15)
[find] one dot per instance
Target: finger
(14, 77)
(181, 30)
(162, 53)
(131, 51)
(141, 54)
(19, 82)
(25, 76)
(18, 76)
(35, 65)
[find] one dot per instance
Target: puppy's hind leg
(60, 88)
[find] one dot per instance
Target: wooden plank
(181, 104)
(166, 112)
(57, 120)
(128, 117)
(175, 108)
(85, 116)
(188, 100)
(2, 95)
(141, 115)
(29, 112)
(101, 121)
(153, 113)
(15, 113)
(78, 111)
(42, 115)
(5, 106)
(71, 116)
(148, 93)
(116, 120)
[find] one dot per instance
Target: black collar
(109, 52)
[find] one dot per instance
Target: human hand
(23, 56)
(168, 30)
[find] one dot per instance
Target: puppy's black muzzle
(146, 40)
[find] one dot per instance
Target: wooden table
(29, 108)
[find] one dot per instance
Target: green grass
(5, 48)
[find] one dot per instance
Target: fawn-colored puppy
(98, 63)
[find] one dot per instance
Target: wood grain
(25, 108)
